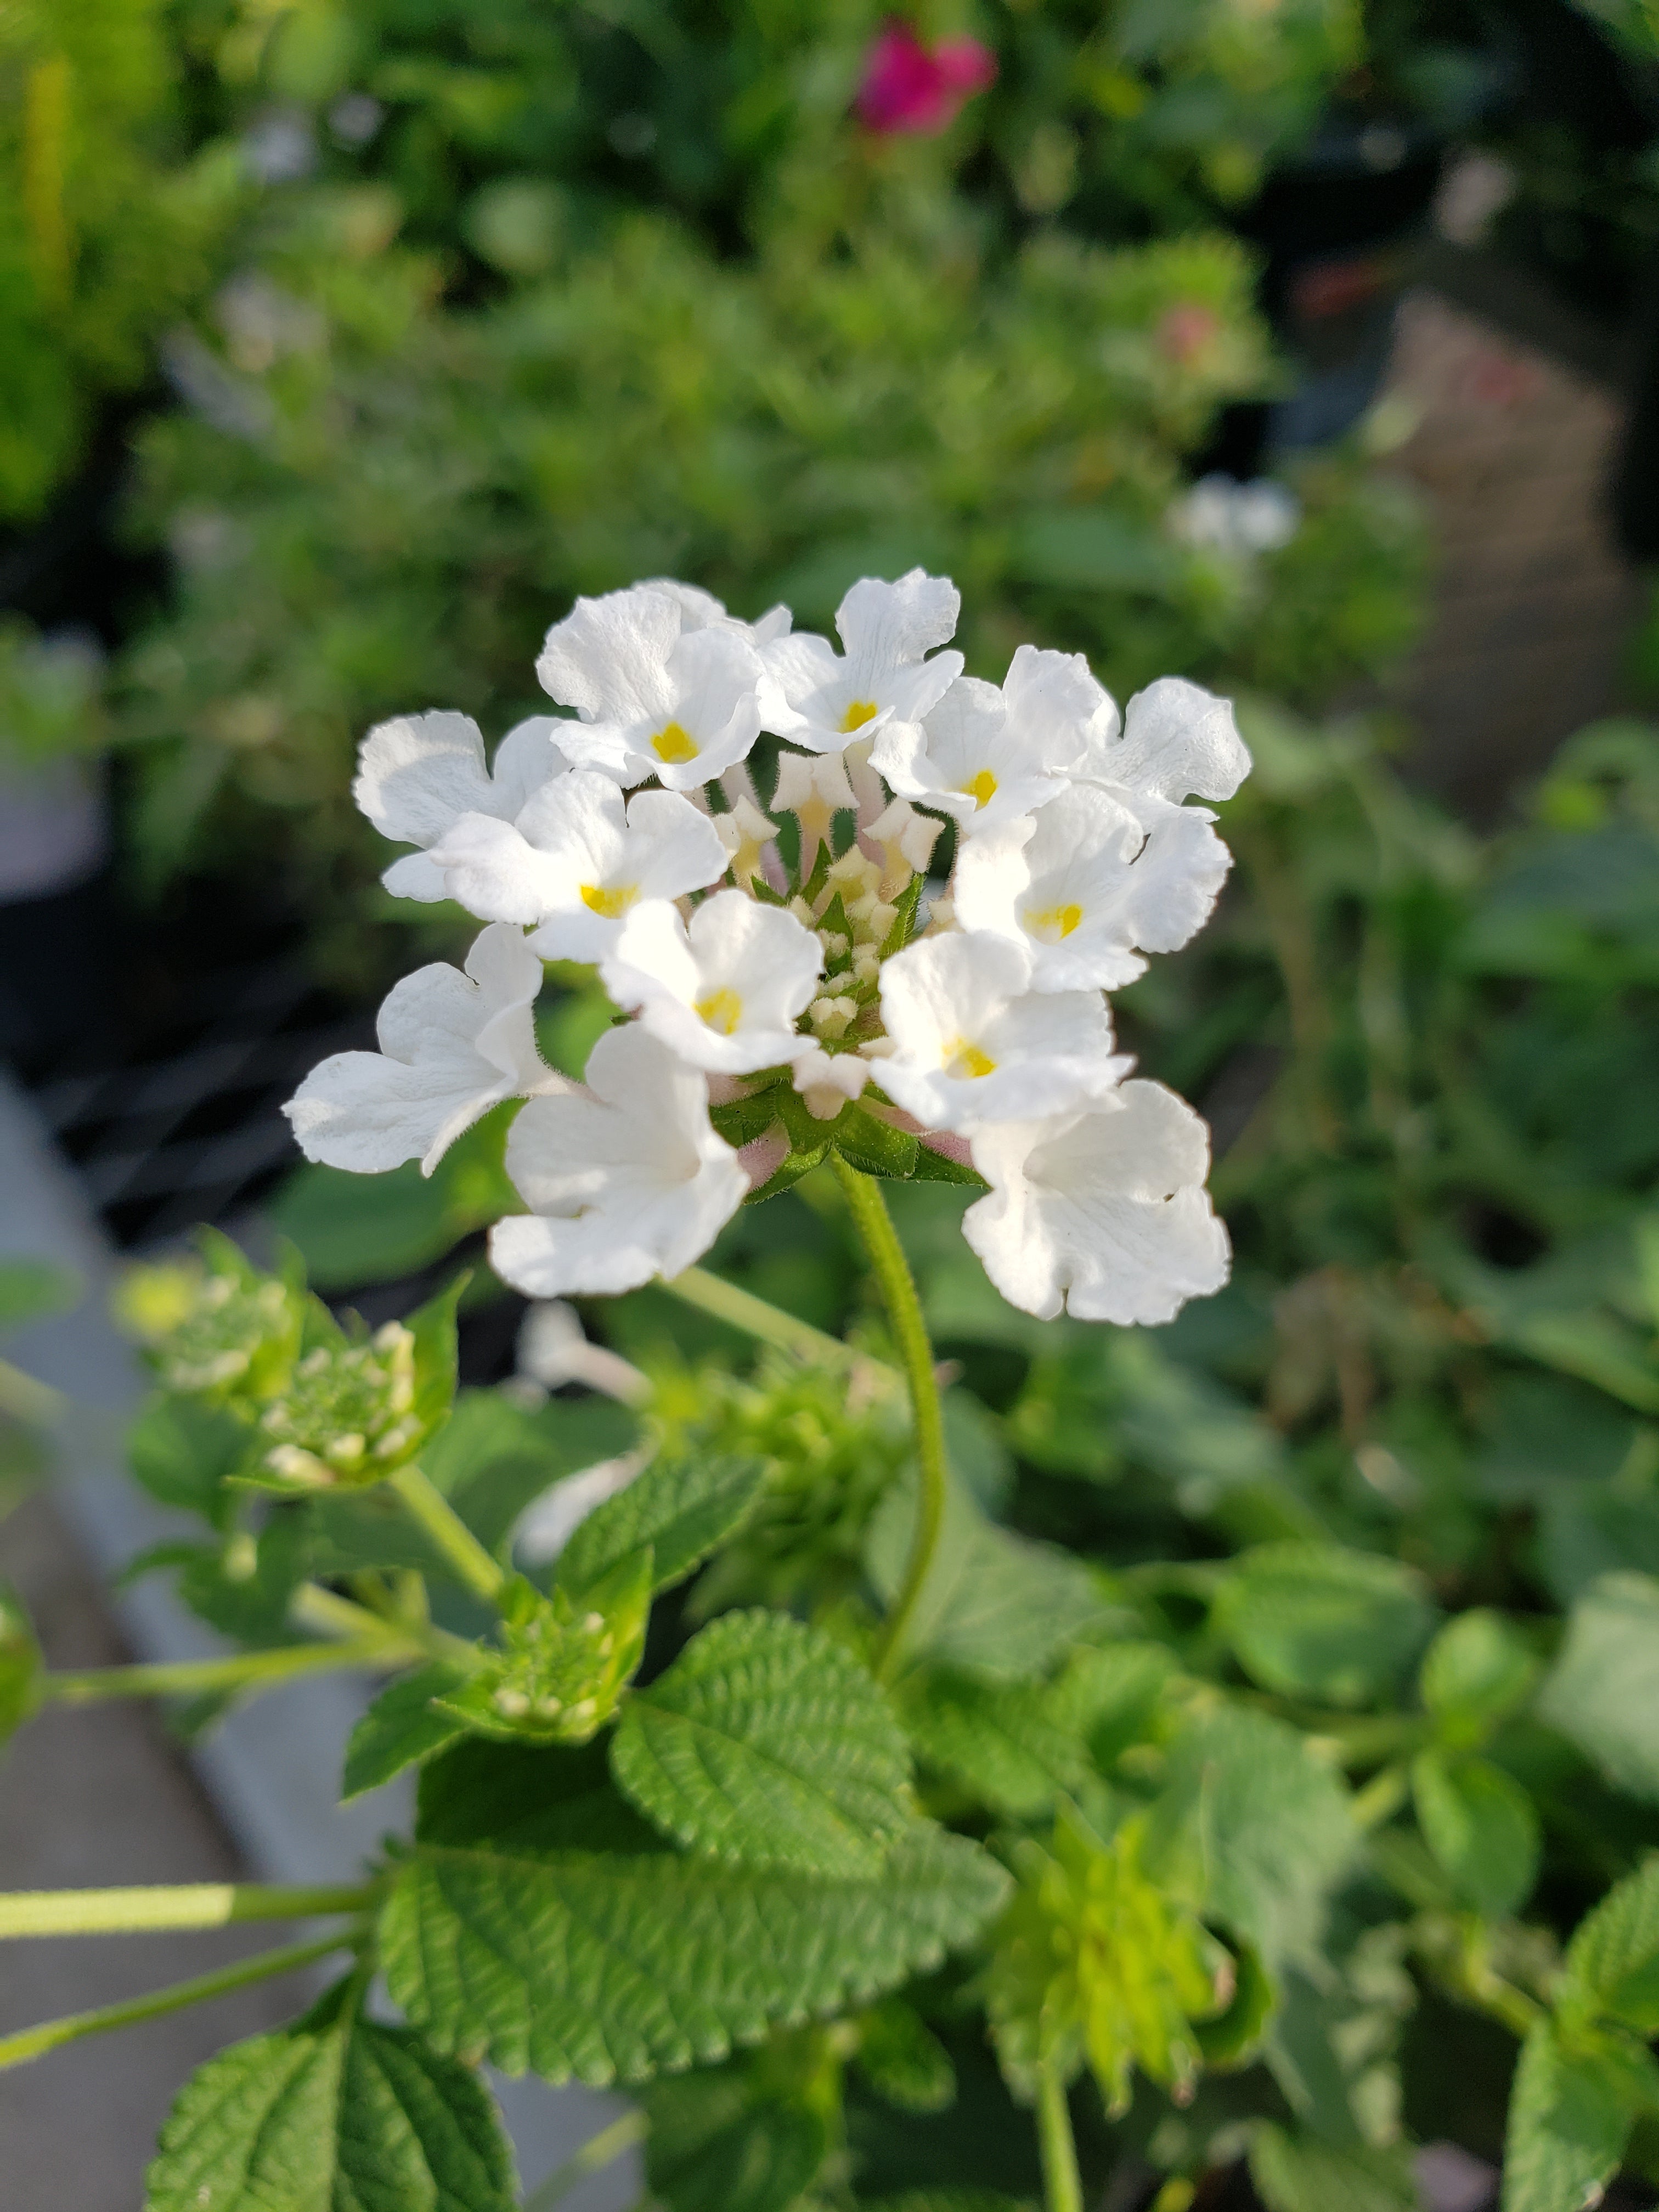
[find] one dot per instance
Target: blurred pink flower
(913, 91)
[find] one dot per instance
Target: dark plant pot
(1340, 230)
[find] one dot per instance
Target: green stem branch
(478, 1569)
(1062, 2185)
(174, 1906)
(190, 1678)
(741, 1309)
(898, 1291)
(598, 2150)
(35, 2042)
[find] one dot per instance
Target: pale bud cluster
(796, 977)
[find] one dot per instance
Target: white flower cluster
(823, 994)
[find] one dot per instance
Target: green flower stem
(1062, 2185)
(743, 1309)
(190, 1678)
(479, 1570)
(598, 2150)
(185, 1904)
(35, 2042)
(898, 1291)
(325, 1612)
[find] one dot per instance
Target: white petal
(726, 993)
(969, 760)
(699, 609)
(826, 1080)
(415, 877)
(1058, 707)
(625, 1181)
(971, 1043)
(451, 1046)
(887, 626)
(607, 658)
(417, 774)
(527, 758)
(715, 677)
(1104, 1211)
(1177, 740)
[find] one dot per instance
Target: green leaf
(995, 1604)
(716, 2146)
(998, 1739)
(21, 1663)
(683, 1509)
(1603, 1693)
(947, 2200)
(32, 1289)
(1254, 1828)
(402, 1728)
(492, 1458)
(903, 2060)
(767, 1745)
(335, 2112)
(1614, 1957)
(1481, 1826)
(1571, 2115)
(182, 1449)
(540, 1923)
(874, 1147)
(1299, 2173)
(1312, 1620)
(1477, 1672)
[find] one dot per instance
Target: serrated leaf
(20, 1664)
(683, 1509)
(492, 1458)
(1313, 1620)
(557, 1931)
(334, 2114)
(1482, 1828)
(1477, 1671)
(998, 1739)
(1299, 2173)
(767, 1745)
(1613, 1956)
(401, 1728)
(1254, 1828)
(1603, 1693)
(1570, 2114)
(716, 2146)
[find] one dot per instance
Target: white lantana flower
(1104, 1211)
(1225, 516)
(969, 1012)
(887, 629)
(1085, 881)
(418, 774)
(659, 692)
(452, 1046)
(626, 1179)
(578, 859)
(989, 753)
(968, 1042)
(726, 993)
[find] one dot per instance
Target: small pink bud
(1185, 330)
(909, 90)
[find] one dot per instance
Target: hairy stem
(898, 1291)
(325, 1612)
(188, 1678)
(743, 1309)
(184, 1904)
(1062, 2185)
(35, 2042)
(598, 2150)
(479, 1571)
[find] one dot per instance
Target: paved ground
(1532, 603)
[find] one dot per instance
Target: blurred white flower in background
(1222, 515)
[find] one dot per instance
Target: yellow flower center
(861, 711)
(981, 788)
(1054, 923)
(964, 1059)
(610, 900)
(722, 1010)
(674, 746)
